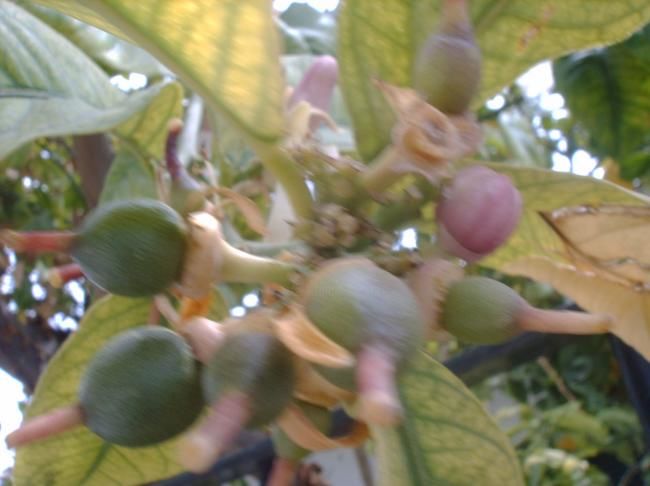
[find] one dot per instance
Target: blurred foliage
(557, 430)
(606, 90)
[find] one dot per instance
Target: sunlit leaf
(379, 39)
(446, 438)
(48, 87)
(610, 241)
(226, 51)
(607, 93)
(79, 456)
(147, 130)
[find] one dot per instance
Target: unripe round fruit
(257, 364)
(132, 248)
(142, 388)
(354, 303)
(447, 68)
(481, 310)
(477, 212)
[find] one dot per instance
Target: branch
(25, 348)
(92, 157)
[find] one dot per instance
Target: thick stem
(57, 277)
(39, 428)
(455, 18)
(38, 241)
(381, 174)
(280, 163)
(401, 213)
(92, 157)
(283, 472)
(562, 322)
(242, 267)
(203, 446)
(379, 402)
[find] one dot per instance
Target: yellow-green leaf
(380, 39)
(446, 438)
(79, 457)
(227, 51)
(147, 130)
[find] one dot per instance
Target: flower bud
(477, 212)
(317, 85)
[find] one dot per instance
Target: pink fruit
(477, 213)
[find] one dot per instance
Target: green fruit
(257, 364)
(285, 447)
(354, 303)
(132, 248)
(481, 310)
(447, 68)
(142, 388)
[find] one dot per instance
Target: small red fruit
(477, 212)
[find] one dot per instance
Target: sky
(537, 82)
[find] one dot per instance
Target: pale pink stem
(61, 275)
(204, 336)
(562, 322)
(378, 397)
(283, 472)
(44, 426)
(203, 446)
(38, 241)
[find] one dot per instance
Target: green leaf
(446, 437)
(147, 130)
(79, 457)
(113, 54)
(48, 87)
(35, 60)
(379, 40)
(129, 177)
(227, 51)
(607, 93)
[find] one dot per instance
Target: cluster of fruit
(344, 330)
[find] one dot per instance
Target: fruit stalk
(381, 174)
(562, 322)
(38, 241)
(57, 277)
(203, 446)
(283, 472)
(57, 421)
(242, 267)
(378, 398)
